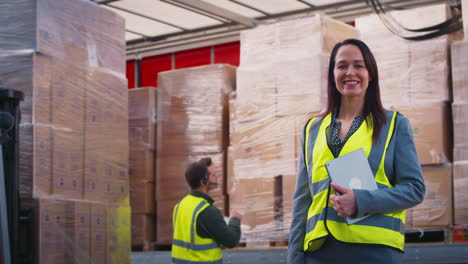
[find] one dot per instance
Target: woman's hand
(345, 204)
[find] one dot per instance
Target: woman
(354, 119)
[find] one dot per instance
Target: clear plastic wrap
(142, 137)
(460, 196)
(68, 58)
(432, 134)
(410, 72)
(460, 131)
(459, 54)
(436, 209)
(283, 66)
(192, 123)
(281, 83)
(143, 230)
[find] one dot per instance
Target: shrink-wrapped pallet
(281, 83)
(192, 124)
(68, 58)
(410, 71)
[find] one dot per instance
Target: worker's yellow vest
(322, 219)
(187, 246)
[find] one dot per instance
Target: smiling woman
(351, 75)
(355, 118)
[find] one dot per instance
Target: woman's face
(350, 72)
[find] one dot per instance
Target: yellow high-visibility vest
(322, 219)
(187, 246)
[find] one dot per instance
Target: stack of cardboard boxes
(460, 124)
(192, 124)
(68, 58)
(414, 80)
(281, 83)
(142, 136)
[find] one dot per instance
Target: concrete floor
(419, 254)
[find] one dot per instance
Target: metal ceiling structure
(162, 26)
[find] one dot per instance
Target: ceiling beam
(104, 2)
(219, 12)
(250, 7)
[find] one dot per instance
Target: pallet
(262, 244)
(428, 235)
(151, 246)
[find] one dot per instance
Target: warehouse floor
(422, 254)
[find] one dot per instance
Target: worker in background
(199, 228)
(355, 118)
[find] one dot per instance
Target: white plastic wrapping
(192, 123)
(281, 83)
(68, 58)
(410, 72)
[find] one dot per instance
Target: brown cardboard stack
(436, 209)
(142, 137)
(460, 127)
(68, 58)
(192, 124)
(414, 80)
(281, 83)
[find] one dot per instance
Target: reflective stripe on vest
(187, 245)
(384, 229)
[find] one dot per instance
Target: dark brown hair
(372, 102)
(196, 171)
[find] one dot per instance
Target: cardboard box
(187, 122)
(52, 235)
(67, 154)
(292, 39)
(142, 116)
(436, 209)
(94, 185)
(143, 230)
(282, 87)
(82, 219)
(460, 197)
(78, 232)
(142, 198)
(142, 166)
(263, 149)
(460, 131)
(47, 29)
(42, 173)
(51, 65)
(272, 54)
(431, 131)
(459, 51)
(98, 232)
(68, 95)
(411, 72)
(254, 199)
(121, 189)
(164, 228)
(420, 17)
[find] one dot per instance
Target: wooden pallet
(151, 247)
(262, 244)
(429, 235)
